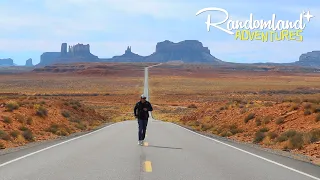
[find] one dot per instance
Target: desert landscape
(275, 109)
(76, 75)
(60, 100)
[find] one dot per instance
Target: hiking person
(141, 112)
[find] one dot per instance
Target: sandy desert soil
(72, 101)
(276, 109)
(279, 110)
(26, 119)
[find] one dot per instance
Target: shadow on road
(164, 147)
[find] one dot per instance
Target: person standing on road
(141, 112)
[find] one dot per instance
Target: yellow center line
(147, 166)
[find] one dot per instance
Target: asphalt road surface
(170, 153)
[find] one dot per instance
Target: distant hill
(111, 69)
(6, 62)
(311, 59)
(10, 63)
(48, 58)
(189, 51)
(128, 56)
(134, 69)
(29, 63)
(73, 54)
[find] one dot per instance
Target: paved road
(170, 153)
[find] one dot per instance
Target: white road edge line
(257, 156)
(260, 157)
(41, 150)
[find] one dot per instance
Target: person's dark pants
(142, 129)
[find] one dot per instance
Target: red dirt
(40, 125)
(265, 93)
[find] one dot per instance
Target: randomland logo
(271, 30)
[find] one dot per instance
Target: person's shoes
(140, 143)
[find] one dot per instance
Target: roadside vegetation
(40, 107)
(30, 118)
(262, 105)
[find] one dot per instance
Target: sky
(30, 27)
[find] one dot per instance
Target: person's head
(143, 98)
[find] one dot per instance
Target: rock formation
(29, 63)
(128, 51)
(48, 58)
(80, 50)
(71, 54)
(64, 49)
(189, 51)
(309, 59)
(6, 62)
(128, 56)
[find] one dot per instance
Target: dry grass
(4, 136)
(2, 145)
(267, 119)
(202, 86)
(7, 120)
(64, 85)
(12, 105)
(315, 108)
(41, 111)
(44, 106)
(249, 117)
(28, 135)
(294, 107)
(258, 121)
(60, 130)
(307, 112)
(278, 101)
(259, 136)
(15, 133)
(318, 117)
(280, 120)
(215, 101)
(33, 119)
(109, 94)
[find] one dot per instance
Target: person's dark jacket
(140, 113)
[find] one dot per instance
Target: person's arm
(150, 107)
(135, 110)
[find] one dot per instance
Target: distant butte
(6, 62)
(188, 51)
(76, 53)
(309, 59)
(29, 63)
(128, 56)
